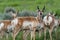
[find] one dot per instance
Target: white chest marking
(1, 25)
(47, 21)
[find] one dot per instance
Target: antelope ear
(49, 13)
(54, 14)
(43, 8)
(38, 7)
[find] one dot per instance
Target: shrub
(7, 17)
(7, 14)
(27, 13)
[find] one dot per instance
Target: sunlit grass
(19, 36)
(30, 4)
(51, 5)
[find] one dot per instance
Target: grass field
(51, 5)
(30, 4)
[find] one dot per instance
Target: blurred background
(29, 8)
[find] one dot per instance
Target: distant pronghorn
(3, 26)
(50, 22)
(6, 25)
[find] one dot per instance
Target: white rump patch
(1, 25)
(47, 21)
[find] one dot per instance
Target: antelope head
(40, 11)
(48, 19)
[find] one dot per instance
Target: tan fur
(4, 28)
(21, 20)
(19, 25)
(6, 23)
(51, 27)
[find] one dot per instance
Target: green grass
(19, 36)
(30, 4)
(51, 5)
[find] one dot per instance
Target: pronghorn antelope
(3, 26)
(40, 19)
(50, 22)
(39, 24)
(28, 22)
(6, 25)
(31, 22)
(20, 22)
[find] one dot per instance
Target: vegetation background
(28, 7)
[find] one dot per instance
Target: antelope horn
(54, 14)
(38, 8)
(43, 8)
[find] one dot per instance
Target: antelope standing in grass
(40, 19)
(31, 23)
(39, 24)
(3, 27)
(6, 25)
(50, 22)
